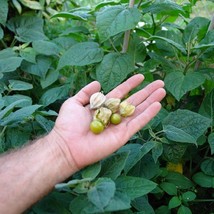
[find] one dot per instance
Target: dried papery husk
(113, 104)
(103, 115)
(126, 109)
(97, 100)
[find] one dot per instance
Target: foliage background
(51, 49)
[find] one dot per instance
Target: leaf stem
(128, 32)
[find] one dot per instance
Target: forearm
(30, 173)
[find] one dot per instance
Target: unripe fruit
(115, 119)
(96, 127)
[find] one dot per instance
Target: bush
(51, 49)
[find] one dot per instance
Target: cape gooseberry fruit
(115, 119)
(96, 127)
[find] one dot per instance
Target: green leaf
(51, 77)
(91, 171)
(10, 107)
(81, 54)
(206, 108)
(207, 166)
(1, 33)
(71, 184)
(101, 192)
(28, 54)
(196, 29)
(169, 49)
(188, 196)
(82, 205)
(10, 64)
(53, 94)
(119, 202)
(71, 15)
(179, 180)
(174, 152)
(174, 202)
(157, 151)
(41, 67)
(54, 202)
(207, 41)
(171, 42)
(134, 186)
(18, 85)
(211, 142)
(113, 165)
(179, 84)
(116, 19)
(184, 210)
(113, 69)
(20, 115)
(162, 210)
(169, 188)
(203, 180)
(27, 28)
(8, 100)
(32, 4)
(142, 205)
(178, 135)
(3, 11)
(135, 154)
(164, 7)
(46, 124)
(47, 48)
(189, 122)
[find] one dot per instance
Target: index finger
(124, 88)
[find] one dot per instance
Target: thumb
(83, 96)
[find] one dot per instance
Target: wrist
(62, 156)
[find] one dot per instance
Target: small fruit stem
(127, 33)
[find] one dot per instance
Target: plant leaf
(211, 142)
(113, 69)
(116, 19)
(101, 192)
(81, 54)
(134, 186)
(196, 28)
(47, 48)
(203, 180)
(207, 166)
(178, 135)
(113, 165)
(164, 7)
(18, 85)
(91, 171)
(3, 12)
(27, 28)
(179, 84)
(189, 122)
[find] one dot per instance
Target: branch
(127, 33)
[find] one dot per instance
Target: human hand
(71, 131)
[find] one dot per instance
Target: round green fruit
(96, 127)
(115, 119)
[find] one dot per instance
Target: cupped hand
(72, 131)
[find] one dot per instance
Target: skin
(28, 174)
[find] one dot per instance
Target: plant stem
(127, 33)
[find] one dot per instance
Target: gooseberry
(96, 127)
(115, 118)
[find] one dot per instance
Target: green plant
(45, 60)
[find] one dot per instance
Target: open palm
(72, 124)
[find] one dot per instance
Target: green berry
(115, 118)
(96, 127)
